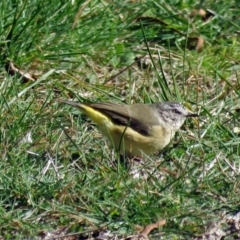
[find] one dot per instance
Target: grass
(58, 175)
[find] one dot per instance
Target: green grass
(57, 171)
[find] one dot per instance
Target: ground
(60, 177)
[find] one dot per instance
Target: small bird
(136, 129)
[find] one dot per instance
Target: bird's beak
(192, 114)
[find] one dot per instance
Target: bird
(136, 129)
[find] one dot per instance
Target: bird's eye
(176, 111)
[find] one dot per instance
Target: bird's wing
(125, 115)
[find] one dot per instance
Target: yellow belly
(126, 140)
